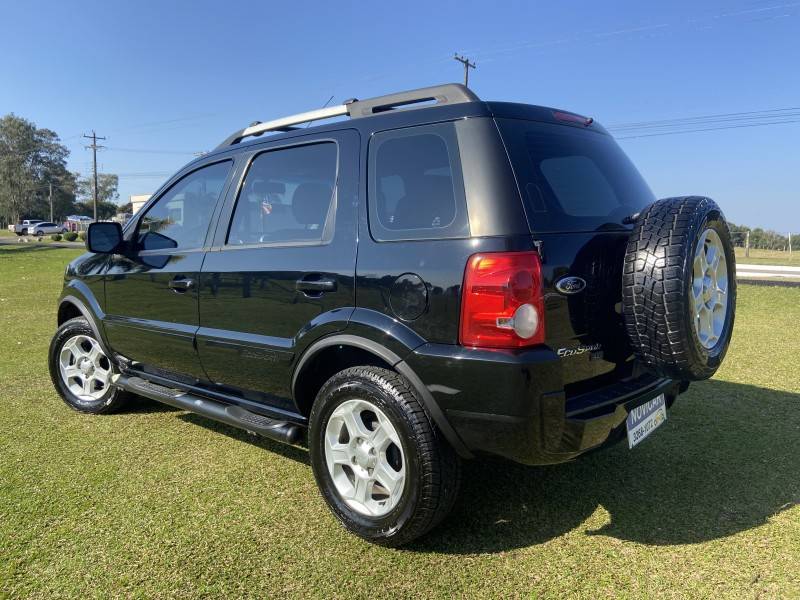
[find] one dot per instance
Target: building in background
(138, 201)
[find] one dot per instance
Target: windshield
(573, 179)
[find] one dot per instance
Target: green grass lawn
(156, 502)
(768, 257)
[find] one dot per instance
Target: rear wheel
(379, 461)
(679, 288)
(81, 371)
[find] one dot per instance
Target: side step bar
(235, 416)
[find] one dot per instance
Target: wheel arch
(70, 307)
(332, 354)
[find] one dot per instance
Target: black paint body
(244, 333)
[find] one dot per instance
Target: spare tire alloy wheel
(709, 288)
(679, 288)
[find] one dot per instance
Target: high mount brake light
(502, 305)
(572, 118)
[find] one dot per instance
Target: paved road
(745, 271)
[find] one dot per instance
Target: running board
(229, 414)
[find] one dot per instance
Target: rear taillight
(502, 305)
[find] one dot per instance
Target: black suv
(426, 279)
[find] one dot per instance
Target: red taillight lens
(501, 303)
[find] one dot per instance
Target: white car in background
(46, 228)
(25, 227)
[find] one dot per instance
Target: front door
(283, 264)
(151, 294)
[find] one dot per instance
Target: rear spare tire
(679, 288)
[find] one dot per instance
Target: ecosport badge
(570, 285)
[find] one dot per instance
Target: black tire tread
(655, 285)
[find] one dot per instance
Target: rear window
(573, 179)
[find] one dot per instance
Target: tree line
(32, 162)
(766, 239)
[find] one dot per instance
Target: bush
(56, 237)
(82, 235)
(70, 236)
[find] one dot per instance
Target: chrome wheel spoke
(84, 368)
(364, 457)
(355, 425)
(362, 490)
(387, 476)
(340, 455)
(379, 438)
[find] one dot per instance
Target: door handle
(181, 285)
(315, 286)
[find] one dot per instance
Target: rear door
(578, 187)
(151, 295)
(283, 262)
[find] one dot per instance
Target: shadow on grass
(725, 462)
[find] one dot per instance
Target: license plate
(645, 419)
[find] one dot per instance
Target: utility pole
(747, 244)
(94, 148)
(467, 66)
(50, 197)
(790, 244)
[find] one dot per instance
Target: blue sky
(164, 79)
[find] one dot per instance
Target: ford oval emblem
(570, 285)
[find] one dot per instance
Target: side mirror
(104, 238)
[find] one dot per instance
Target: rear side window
(416, 188)
(573, 179)
(286, 196)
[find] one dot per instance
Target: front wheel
(380, 463)
(81, 371)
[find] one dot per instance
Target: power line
(636, 124)
(94, 148)
(150, 151)
(739, 126)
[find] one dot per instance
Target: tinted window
(416, 189)
(286, 196)
(181, 217)
(573, 179)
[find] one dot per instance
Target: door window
(180, 218)
(286, 196)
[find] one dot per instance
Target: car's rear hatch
(580, 192)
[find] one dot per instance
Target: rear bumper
(513, 404)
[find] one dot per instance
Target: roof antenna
(323, 106)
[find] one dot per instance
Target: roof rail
(449, 93)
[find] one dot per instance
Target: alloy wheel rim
(365, 458)
(84, 367)
(709, 289)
